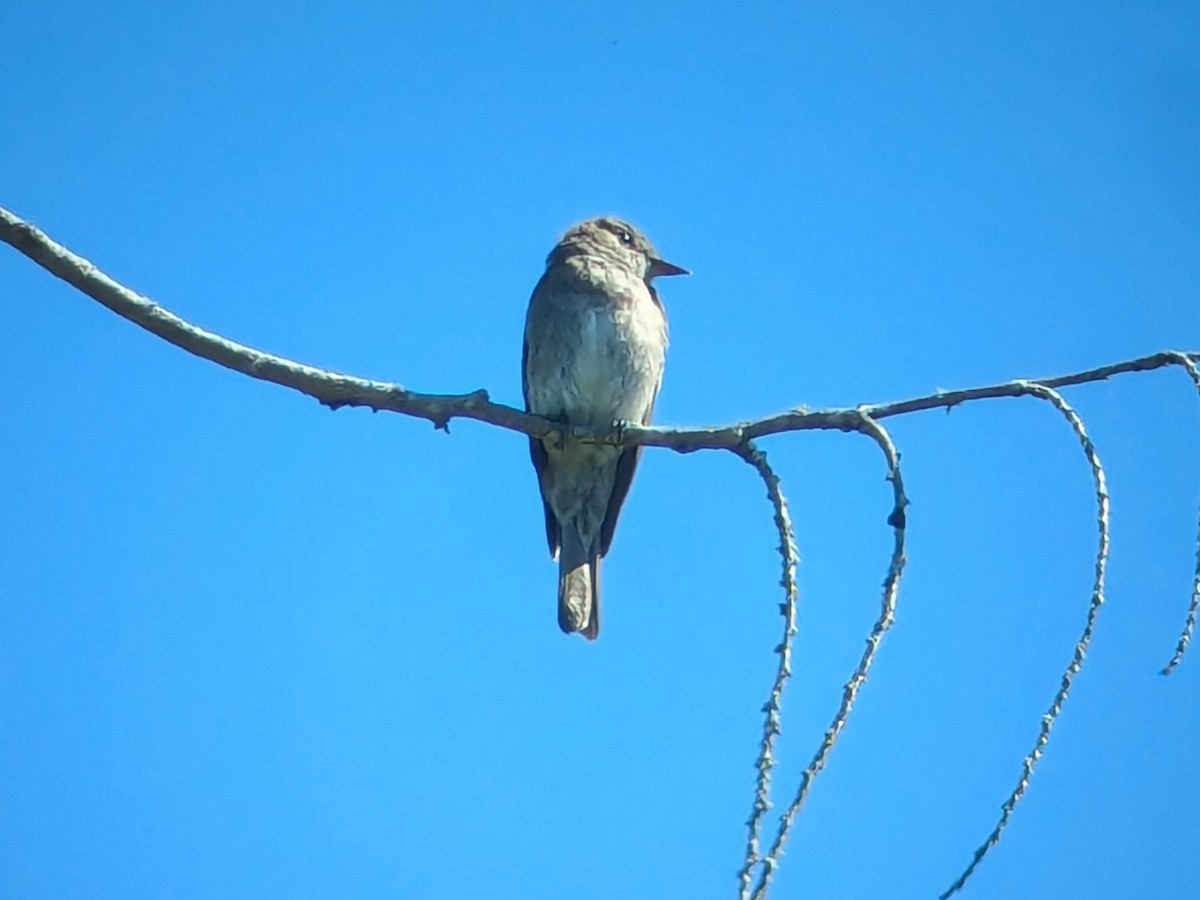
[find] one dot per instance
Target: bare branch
(897, 519)
(1085, 638)
(337, 390)
(771, 709)
(1189, 625)
(331, 388)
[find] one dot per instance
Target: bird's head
(616, 240)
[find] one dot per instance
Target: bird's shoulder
(586, 280)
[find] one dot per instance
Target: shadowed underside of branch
(337, 390)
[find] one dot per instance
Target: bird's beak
(662, 267)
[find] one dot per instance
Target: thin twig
(790, 557)
(1189, 624)
(1081, 646)
(336, 390)
(891, 587)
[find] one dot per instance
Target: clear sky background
(250, 647)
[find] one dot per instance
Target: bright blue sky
(250, 647)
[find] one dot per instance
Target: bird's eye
(625, 236)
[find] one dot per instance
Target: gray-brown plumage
(595, 343)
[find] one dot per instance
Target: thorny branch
(1081, 646)
(772, 723)
(1189, 625)
(897, 519)
(337, 390)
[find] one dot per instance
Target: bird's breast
(601, 358)
(601, 362)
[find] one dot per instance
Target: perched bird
(595, 343)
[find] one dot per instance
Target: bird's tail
(578, 586)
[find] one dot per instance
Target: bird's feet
(556, 440)
(619, 429)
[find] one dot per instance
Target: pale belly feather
(599, 364)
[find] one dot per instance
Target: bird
(593, 356)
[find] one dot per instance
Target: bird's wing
(626, 466)
(537, 453)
